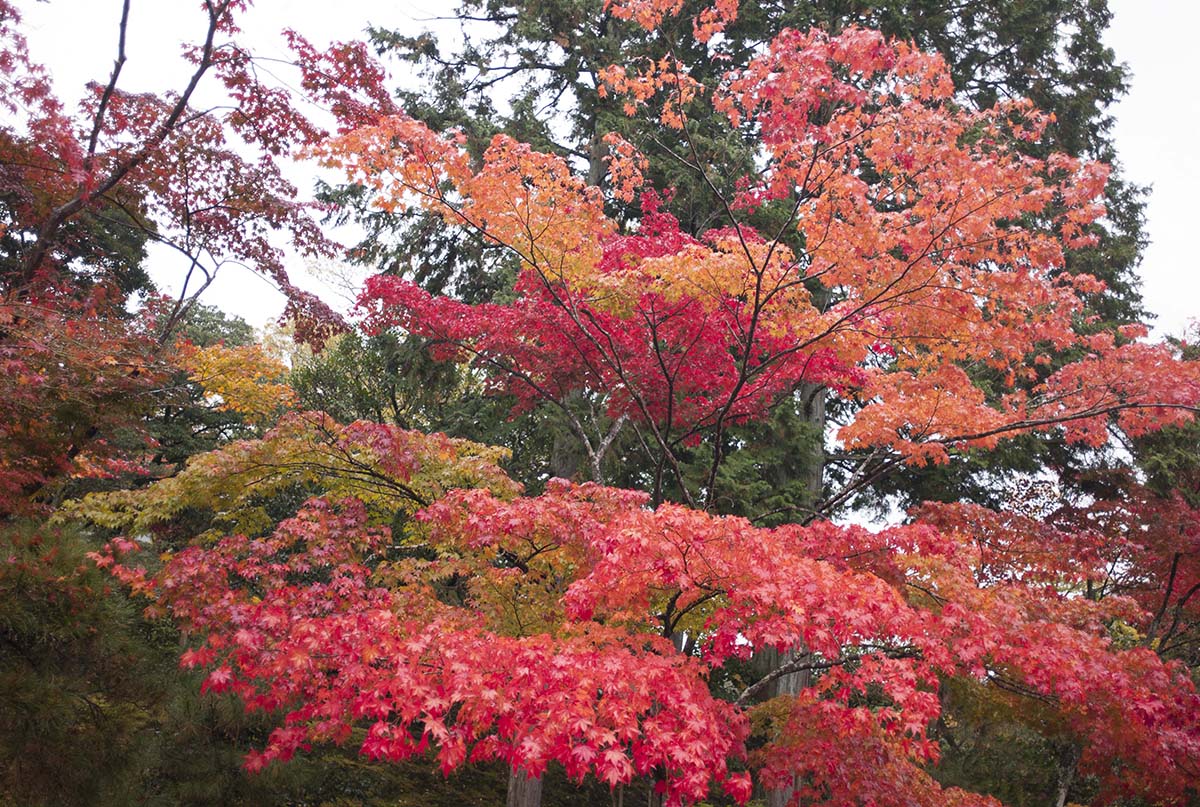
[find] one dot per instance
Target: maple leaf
(219, 680)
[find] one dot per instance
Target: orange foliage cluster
(941, 244)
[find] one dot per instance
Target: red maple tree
(80, 183)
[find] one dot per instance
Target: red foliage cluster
(78, 376)
(669, 361)
(309, 620)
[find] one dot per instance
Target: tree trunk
(1068, 763)
(596, 154)
(813, 398)
(565, 456)
(786, 685)
(778, 797)
(523, 790)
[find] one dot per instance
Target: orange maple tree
(913, 265)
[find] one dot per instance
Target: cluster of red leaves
(25, 89)
(666, 360)
(1066, 578)
(207, 183)
(313, 621)
(1152, 554)
(991, 605)
(820, 751)
(74, 373)
(341, 652)
(1137, 550)
(651, 14)
(344, 80)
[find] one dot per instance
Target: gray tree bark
(1067, 765)
(784, 685)
(813, 396)
(523, 790)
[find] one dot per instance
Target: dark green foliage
(206, 325)
(1018, 755)
(767, 471)
(1171, 461)
(82, 676)
(392, 379)
(386, 378)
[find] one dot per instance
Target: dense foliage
(615, 569)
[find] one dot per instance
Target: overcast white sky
(1157, 123)
(1157, 133)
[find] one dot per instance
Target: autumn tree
(127, 168)
(529, 71)
(638, 319)
(515, 344)
(846, 224)
(583, 628)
